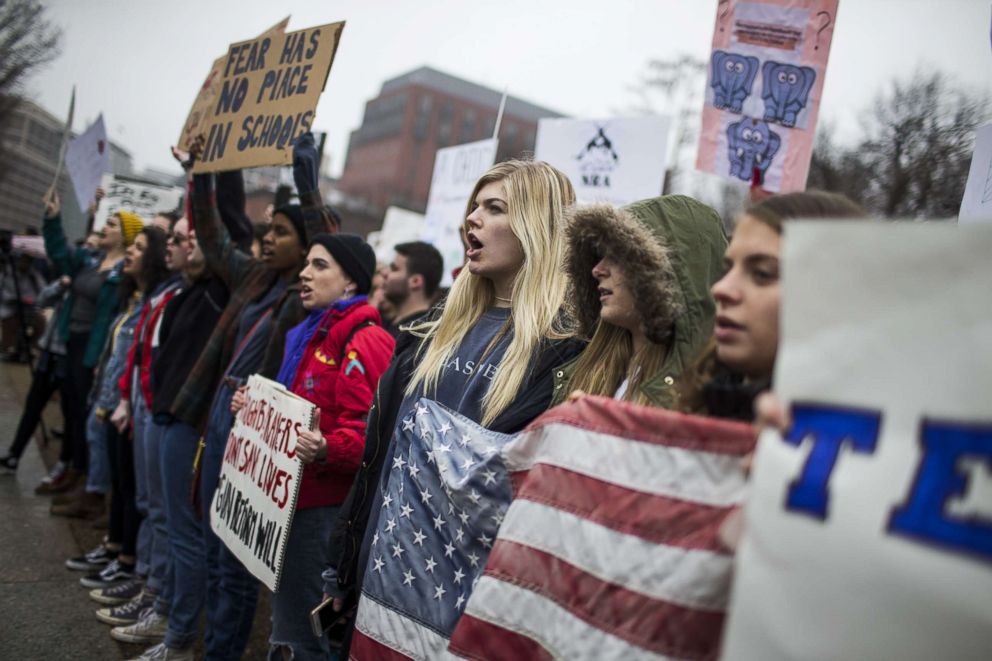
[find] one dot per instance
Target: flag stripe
(499, 643)
(642, 423)
(707, 478)
(661, 627)
(552, 626)
(652, 518)
(363, 647)
(691, 578)
(404, 634)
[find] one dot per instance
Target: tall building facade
(391, 155)
(32, 139)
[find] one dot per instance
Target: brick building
(391, 155)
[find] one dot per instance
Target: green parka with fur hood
(671, 250)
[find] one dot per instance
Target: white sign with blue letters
(868, 532)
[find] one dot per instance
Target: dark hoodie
(671, 249)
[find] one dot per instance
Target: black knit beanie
(356, 258)
(295, 215)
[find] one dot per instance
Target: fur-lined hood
(671, 249)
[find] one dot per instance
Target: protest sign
(399, 226)
(203, 105)
(266, 95)
(763, 90)
(141, 197)
(456, 169)
(64, 144)
(253, 506)
(868, 531)
(976, 205)
(87, 159)
(614, 160)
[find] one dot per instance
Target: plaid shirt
(248, 279)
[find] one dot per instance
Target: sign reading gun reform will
(268, 91)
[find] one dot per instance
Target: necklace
(504, 300)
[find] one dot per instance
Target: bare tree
(915, 151)
(28, 41)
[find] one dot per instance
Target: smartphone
(324, 619)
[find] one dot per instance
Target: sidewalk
(44, 613)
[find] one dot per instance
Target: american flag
(443, 501)
(610, 548)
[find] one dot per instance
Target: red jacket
(341, 381)
(144, 333)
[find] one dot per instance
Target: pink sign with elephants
(763, 88)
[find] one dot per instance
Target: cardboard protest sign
(203, 105)
(614, 160)
(976, 205)
(456, 169)
(868, 532)
(266, 96)
(64, 144)
(87, 159)
(141, 197)
(763, 90)
(399, 226)
(253, 507)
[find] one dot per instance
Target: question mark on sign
(721, 15)
(823, 27)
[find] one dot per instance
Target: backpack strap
(351, 335)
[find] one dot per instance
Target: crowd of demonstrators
(156, 330)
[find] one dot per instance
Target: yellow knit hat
(131, 226)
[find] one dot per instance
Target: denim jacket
(122, 329)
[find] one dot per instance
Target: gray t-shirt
(469, 373)
(85, 290)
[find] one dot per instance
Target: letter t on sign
(925, 516)
(828, 428)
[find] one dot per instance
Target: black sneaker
(126, 614)
(8, 465)
(118, 594)
(93, 560)
(114, 573)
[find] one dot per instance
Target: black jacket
(348, 555)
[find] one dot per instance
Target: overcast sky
(141, 62)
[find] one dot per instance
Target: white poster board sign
(399, 226)
(143, 198)
(615, 160)
(87, 159)
(456, 169)
(253, 506)
(868, 532)
(976, 205)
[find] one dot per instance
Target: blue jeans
(98, 477)
(301, 588)
(145, 532)
(232, 591)
(177, 451)
(159, 558)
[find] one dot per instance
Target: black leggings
(45, 380)
(124, 515)
(76, 391)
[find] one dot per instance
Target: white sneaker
(149, 629)
(162, 653)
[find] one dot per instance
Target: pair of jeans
(45, 381)
(159, 560)
(139, 416)
(124, 516)
(76, 390)
(232, 591)
(301, 587)
(99, 477)
(177, 451)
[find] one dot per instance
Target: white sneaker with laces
(162, 653)
(149, 629)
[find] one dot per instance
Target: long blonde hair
(608, 359)
(537, 196)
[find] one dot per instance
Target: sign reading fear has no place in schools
(266, 97)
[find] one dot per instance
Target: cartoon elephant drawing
(751, 144)
(785, 89)
(733, 76)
